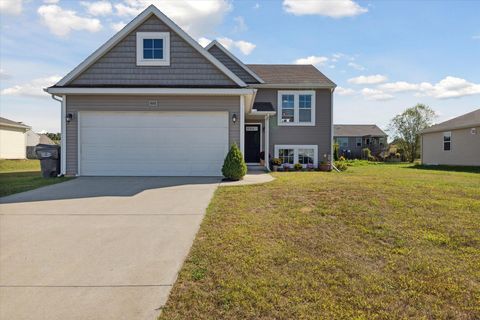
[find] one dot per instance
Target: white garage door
(152, 143)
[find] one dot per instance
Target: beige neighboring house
(453, 142)
(13, 139)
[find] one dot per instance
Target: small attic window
(153, 48)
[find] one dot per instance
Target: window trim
(165, 36)
(296, 148)
(296, 107)
(340, 144)
(445, 133)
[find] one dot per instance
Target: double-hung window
(306, 155)
(153, 48)
(296, 108)
(447, 141)
(359, 142)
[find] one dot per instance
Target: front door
(252, 143)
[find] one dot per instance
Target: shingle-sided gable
(118, 67)
(232, 65)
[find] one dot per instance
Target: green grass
(374, 242)
(22, 175)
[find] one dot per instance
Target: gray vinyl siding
(119, 65)
(356, 151)
(140, 103)
(232, 65)
(319, 135)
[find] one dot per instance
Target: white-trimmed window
(342, 142)
(358, 142)
(153, 48)
(292, 154)
(296, 108)
(447, 141)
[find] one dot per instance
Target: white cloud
(4, 75)
(196, 17)
(375, 94)
(373, 79)
(477, 37)
(13, 7)
(449, 87)
(240, 25)
(33, 88)
(61, 22)
(315, 60)
(117, 26)
(204, 41)
(51, 1)
(399, 86)
(244, 46)
(344, 91)
(98, 8)
(356, 66)
(256, 6)
(329, 8)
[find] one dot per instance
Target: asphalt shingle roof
(357, 130)
(11, 123)
(290, 74)
(263, 106)
(471, 119)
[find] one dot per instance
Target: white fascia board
(262, 113)
(150, 91)
(292, 86)
(234, 58)
(151, 10)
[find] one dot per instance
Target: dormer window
(153, 48)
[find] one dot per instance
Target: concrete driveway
(97, 248)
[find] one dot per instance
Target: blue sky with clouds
(384, 55)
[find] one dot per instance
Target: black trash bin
(49, 156)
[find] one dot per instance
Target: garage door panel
(153, 143)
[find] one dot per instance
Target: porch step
(255, 168)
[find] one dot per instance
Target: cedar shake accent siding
(319, 135)
(119, 65)
(79, 103)
(232, 65)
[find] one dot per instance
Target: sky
(385, 56)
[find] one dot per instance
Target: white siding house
(13, 139)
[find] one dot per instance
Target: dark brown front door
(252, 143)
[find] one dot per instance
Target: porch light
(69, 117)
(234, 118)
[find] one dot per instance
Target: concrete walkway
(255, 177)
(97, 248)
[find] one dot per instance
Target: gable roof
(471, 119)
(291, 75)
(10, 123)
(218, 45)
(148, 12)
(357, 130)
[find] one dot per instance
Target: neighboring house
(13, 139)
(453, 142)
(33, 139)
(352, 138)
(152, 101)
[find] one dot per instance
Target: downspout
(331, 131)
(63, 134)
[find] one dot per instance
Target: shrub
(276, 162)
(371, 158)
(341, 165)
(234, 166)
(297, 166)
(335, 151)
(342, 158)
(366, 153)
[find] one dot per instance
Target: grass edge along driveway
(22, 175)
(374, 242)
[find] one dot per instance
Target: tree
(406, 128)
(234, 167)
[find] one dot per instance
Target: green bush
(366, 153)
(234, 167)
(341, 165)
(297, 166)
(335, 151)
(276, 162)
(342, 158)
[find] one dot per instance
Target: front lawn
(22, 175)
(374, 242)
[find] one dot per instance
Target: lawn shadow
(468, 169)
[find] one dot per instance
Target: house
(453, 142)
(13, 139)
(33, 139)
(352, 138)
(152, 101)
